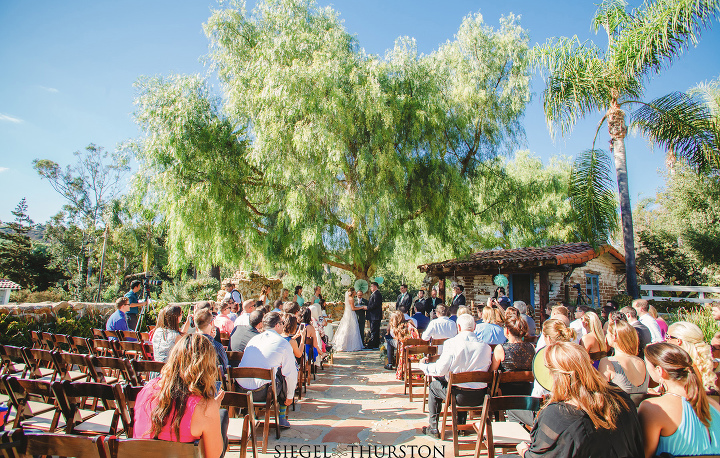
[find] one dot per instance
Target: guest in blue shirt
(490, 331)
(118, 320)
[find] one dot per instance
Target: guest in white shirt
(577, 324)
(270, 350)
(441, 327)
(244, 318)
(642, 306)
(462, 353)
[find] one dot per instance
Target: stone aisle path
(356, 401)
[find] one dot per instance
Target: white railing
(700, 290)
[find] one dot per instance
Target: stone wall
(44, 311)
(250, 284)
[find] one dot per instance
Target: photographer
(135, 304)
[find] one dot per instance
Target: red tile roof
(7, 284)
(569, 253)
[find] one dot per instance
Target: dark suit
(421, 305)
(374, 316)
(457, 302)
(405, 301)
(361, 316)
(240, 337)
(432, 303)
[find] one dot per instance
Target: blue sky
(68, 70)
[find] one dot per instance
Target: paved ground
(356, 402)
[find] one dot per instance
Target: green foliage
(51, 295)
(191, 290)
(16, 247)
(702, 317)
(593, 203)
(14, 331)
(679, 231)
(319, 153)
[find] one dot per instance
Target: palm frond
(660, 31)
(579, 81)
(612, 16)
(710, 92)
(592, 198)
(683, 124)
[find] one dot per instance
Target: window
(592, 289)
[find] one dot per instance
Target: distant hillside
(37, 233)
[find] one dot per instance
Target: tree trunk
(618, 130)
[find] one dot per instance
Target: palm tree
(582, 79)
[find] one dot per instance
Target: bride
(347, 336)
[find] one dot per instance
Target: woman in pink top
(223, 321)
(182, 405)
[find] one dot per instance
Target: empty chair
(241, 426)
(61, 342)
(502, 434)
(71, 398)
(42, 414)
(81, 345)
(66, 362)
(41, 363)
(146, 370)
(134, 350)
(271, 405)
(117, 368)
(134, 448)
(42, 444)
(13, 360)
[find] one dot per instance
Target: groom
(374, 315)
(361, 302)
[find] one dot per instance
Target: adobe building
(537, 276)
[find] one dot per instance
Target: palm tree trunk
(618, 130)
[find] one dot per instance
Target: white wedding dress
(347, 335)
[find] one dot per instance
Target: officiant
(361, 302)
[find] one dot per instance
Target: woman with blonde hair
(585, 416)
(660, 320)
(399, 330)
(624, 368)
(594, 340)
(690, 338)
(490, 330)
(684, 421)
(182, 405)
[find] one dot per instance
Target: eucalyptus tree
(583, 79)
(321, 153)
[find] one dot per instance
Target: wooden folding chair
(37, 342)
(234, 357)
(437, 342)
(98, 334)
(11, 356)
(502, 434)
(61, 342)
(271, 404)
(127, 406)
(145, 336)
(413, 375)
(117, 368)
(81, 345)
(133, 448)
(105, 347)
(451, 406)
(426, 382)
(112, 335)
(12, 444)
(34, 404)
(241, 412)
(134, 350)
(41, 444)
(145, 370)
(71, 398)
(65, 362)
(225, 339)
(128, 336)
(40, 363)
(512, 377)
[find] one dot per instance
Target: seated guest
(292, 333)
(207, 305)
(234, 309)
(553, 330)
(490, 331)
(586, 416)
(118, 320)
(277, 306)
(463, 353)
(269, 350)
(167, 331)
(422, 321)
(624, 369)
(684, 421)
(577, 324)
(644, 336)
(408, 318)
(241, 335)
(441, 327)
(511, 311)
(514, 355)
(399, 329)
(204, 323)
(247, 307)
(691, 339)
(522, 308)
(594, 338)
(183, 404)
(223, 321)
(315, 352)
(660, 320)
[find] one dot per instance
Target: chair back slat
(133, 448)
(410, 341)
(471, 377)
(39, 444)
(143, 368)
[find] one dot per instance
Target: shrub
(51, 295)
(700, 316)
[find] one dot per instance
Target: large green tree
(16, 247)
(582, 78)
(320, 153)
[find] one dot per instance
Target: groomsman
(458, 299)
(433, 302)
(361, 302)
(421, 302)
(404, 299)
